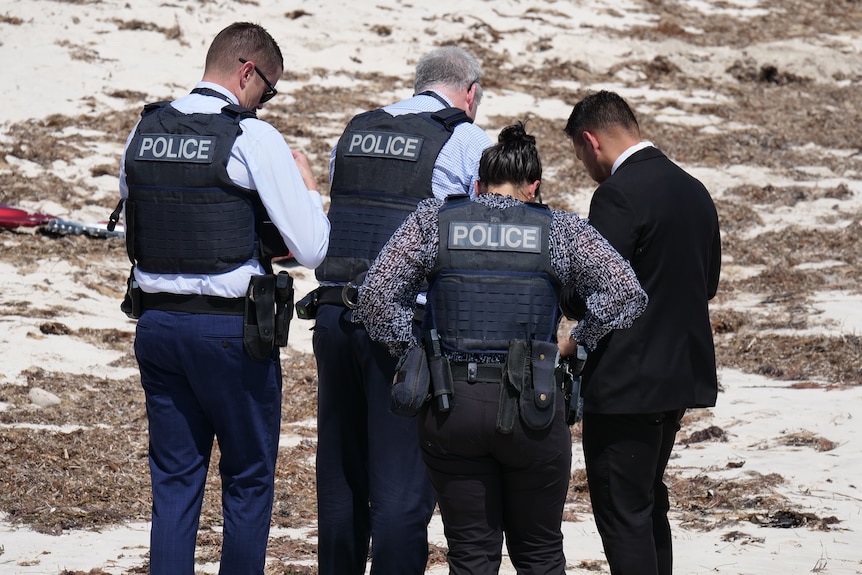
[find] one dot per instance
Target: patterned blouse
(604, 280)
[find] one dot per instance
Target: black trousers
(488, 483)
(626, 457)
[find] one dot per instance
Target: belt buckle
(472, 371)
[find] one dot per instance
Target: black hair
(600, 111)
(514, 159)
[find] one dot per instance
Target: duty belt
(346, 295)
(193, 303)
(472, 372)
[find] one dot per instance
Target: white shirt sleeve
(295, 210)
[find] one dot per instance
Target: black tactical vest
(493, 281)
(183, 213)
(383, 167)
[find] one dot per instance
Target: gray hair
(448, 66)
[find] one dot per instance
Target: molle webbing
(493, 281)
(184, 214)
(208, 231)
(383, 168)
(360, 225)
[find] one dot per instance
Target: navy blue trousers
(200, 385)
(625, 457)
(371, 482)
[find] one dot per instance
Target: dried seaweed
(82, 464)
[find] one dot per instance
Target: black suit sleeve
(614, 217)
(572, 305)
(714, 265)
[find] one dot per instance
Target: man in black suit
(639, 382)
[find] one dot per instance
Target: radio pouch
(529, 385)
(259, 319)
(538, 396)
(412, 381)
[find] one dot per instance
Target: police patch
(495, 237)
(176, 148)
(384, 145)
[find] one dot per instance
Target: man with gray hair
(371, 482)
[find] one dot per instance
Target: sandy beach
(759, 99)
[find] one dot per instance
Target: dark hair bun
(516, 134)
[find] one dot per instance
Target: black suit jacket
(665, 223)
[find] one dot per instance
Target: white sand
(68, 58)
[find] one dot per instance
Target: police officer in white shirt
(212, 194)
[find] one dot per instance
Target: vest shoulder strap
(451, 117)
(238, 112)
(154, 106)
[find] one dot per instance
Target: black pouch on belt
(516, 375)
(538, 396)
(283, 307)
(440, 370)
(412, 381)
(258, 336)
(529, 385)
(131, 305)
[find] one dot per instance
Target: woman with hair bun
(492, 423)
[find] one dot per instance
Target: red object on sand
(12, 217)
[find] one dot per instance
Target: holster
(412, 381)
(529, 385)
(283, 307)
(440, 371)
(569, 374)
(574, 401)
(268, 310)
(131, 304)
(441, 381)
(515, 372)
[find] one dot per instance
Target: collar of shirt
(627, 154)
(497, 200)
(417, 103)
(218, 88)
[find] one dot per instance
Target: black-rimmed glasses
(270, 89)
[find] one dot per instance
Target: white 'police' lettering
(495, 237)
(384, 145)
(176, 148)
